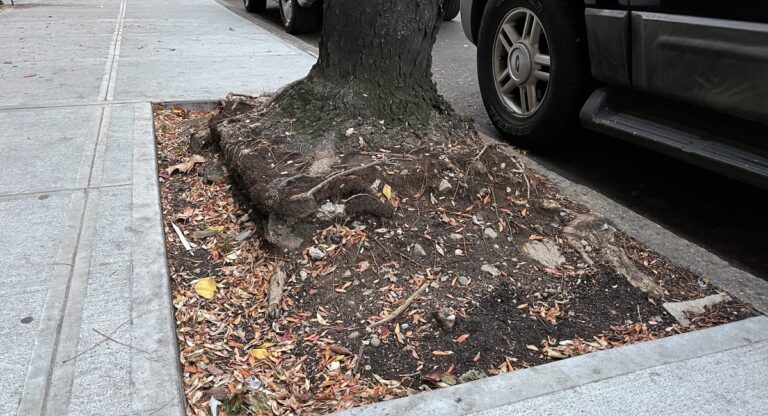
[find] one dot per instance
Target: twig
(275, 294)
(527, 183)
(401, 308)
(359, 358)
(398, 253)
(325, 182)
(121, 343)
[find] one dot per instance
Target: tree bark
(375, 62)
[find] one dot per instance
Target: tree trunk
(375, 62)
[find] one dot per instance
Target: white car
(305, 16)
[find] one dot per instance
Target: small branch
(325, 182)
(401, 308)
(275, 292)
(121, 343)
(527, 183)
(359, 358)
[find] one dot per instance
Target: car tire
(298, 20)
(545, 111)
(255, 6)
(450, 9)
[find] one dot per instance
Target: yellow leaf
(259, 353)
(206, 287)
(387, 191)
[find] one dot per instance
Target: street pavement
(722, 215)
(86, 318)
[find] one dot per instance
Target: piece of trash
(214, 406)
(183, 239)
(253, 382)
(205, 287)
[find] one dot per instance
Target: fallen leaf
(387, 191)
(185, 167)
(320, 320)
(461, 338)
(532, 347)
(208, 232)
(522, 306)
(338, 349)
(477, 357)
(205, 287)
(448, 379)
(553, 353)
(442, 353)
(259, 353)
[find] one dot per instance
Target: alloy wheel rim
(521, 62)
(287, 7)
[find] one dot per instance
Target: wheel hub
(520, 63)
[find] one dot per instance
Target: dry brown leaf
(186, 166)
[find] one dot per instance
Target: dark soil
(527, 315)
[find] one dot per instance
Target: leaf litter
(364, 316)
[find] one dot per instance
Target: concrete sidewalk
(86, 323)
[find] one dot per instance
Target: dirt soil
(454, 223)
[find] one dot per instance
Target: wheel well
(478, 7)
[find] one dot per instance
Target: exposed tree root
(592, 229)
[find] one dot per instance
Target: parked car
(687, 77)
(305, 16)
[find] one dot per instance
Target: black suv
(686, 77)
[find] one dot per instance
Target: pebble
(492, 270)
(316, 253)
(456, 237)
(375, 341)
(490, 233)
(404, 172)
(464, 280)
(347, 273)
(354, 335)
(419, 250)
(444, 186)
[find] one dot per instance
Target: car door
(703, 52)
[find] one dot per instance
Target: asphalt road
(724, 216)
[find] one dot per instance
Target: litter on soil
(482, 268)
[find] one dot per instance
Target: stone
(492, 270)
(456, 237)
(419, 250)
(316, 253)
(446, 316)
(404, 172)
(490, 233)
(680, 310)
(545, 252)
(464, 280)
(330, 211)
(444, 186)
(347, 274)
(375, 341)
(354, 335)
